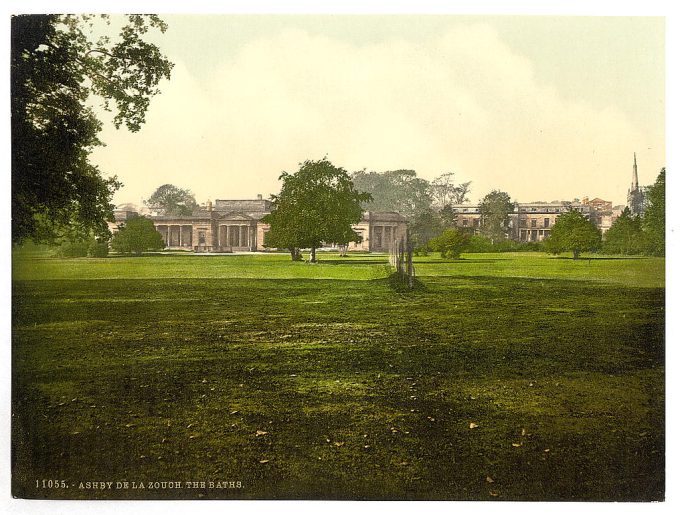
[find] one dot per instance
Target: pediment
(236, 216)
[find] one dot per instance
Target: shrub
(98, 249)
(478, 243)
(421, 250)
(450, 243)
(138, 234)
(72, 249)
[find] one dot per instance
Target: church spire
(634, 184)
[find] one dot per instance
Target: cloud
(462, 102)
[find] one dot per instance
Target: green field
(501, 377)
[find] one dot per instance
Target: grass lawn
(504, 377)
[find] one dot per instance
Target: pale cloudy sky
(544, 108)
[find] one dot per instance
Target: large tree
(168, 199)
(317, 204)
(495, 209)
(397, 190)
(625, 236)
(573, 232)
(654, 221)
(59, 68)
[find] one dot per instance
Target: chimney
(259, 196)
(209, 205)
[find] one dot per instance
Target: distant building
(601, 212)
(597, 204)
(531, 221)
(237, 226)
(636, 196)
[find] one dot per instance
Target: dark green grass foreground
(508, 377)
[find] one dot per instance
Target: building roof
(196, 215)
(383, 216)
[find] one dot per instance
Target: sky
(543, 107)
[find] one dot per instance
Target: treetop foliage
(654, 222)
(406, 193)
(445, 191)
(495, 209)
(59, 66)
(625, 236)
(168, 199)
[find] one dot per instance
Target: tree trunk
(577, 253)
(313, 256)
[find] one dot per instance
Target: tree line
(320, 203)
(60, 66)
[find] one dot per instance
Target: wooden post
(410, 266)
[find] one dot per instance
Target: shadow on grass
(601, 258)
(400, 285)
(461, 261)
(353, 261)
(151, 255)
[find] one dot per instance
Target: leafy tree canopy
(319, 203)
(137, 235)
(445, 191)
(398, 190)
(426, 226)
(58, 68)
(171, 200)
(495, 209)
(448, 216)
(625, 236)
(654, 222)
(574, 233)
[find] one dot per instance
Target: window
(475, 222)
(523, 222)
(546, 222)
(533, 222)
(201, 237)
(465, 222)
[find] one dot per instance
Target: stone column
(180, 235)
(167, 235)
